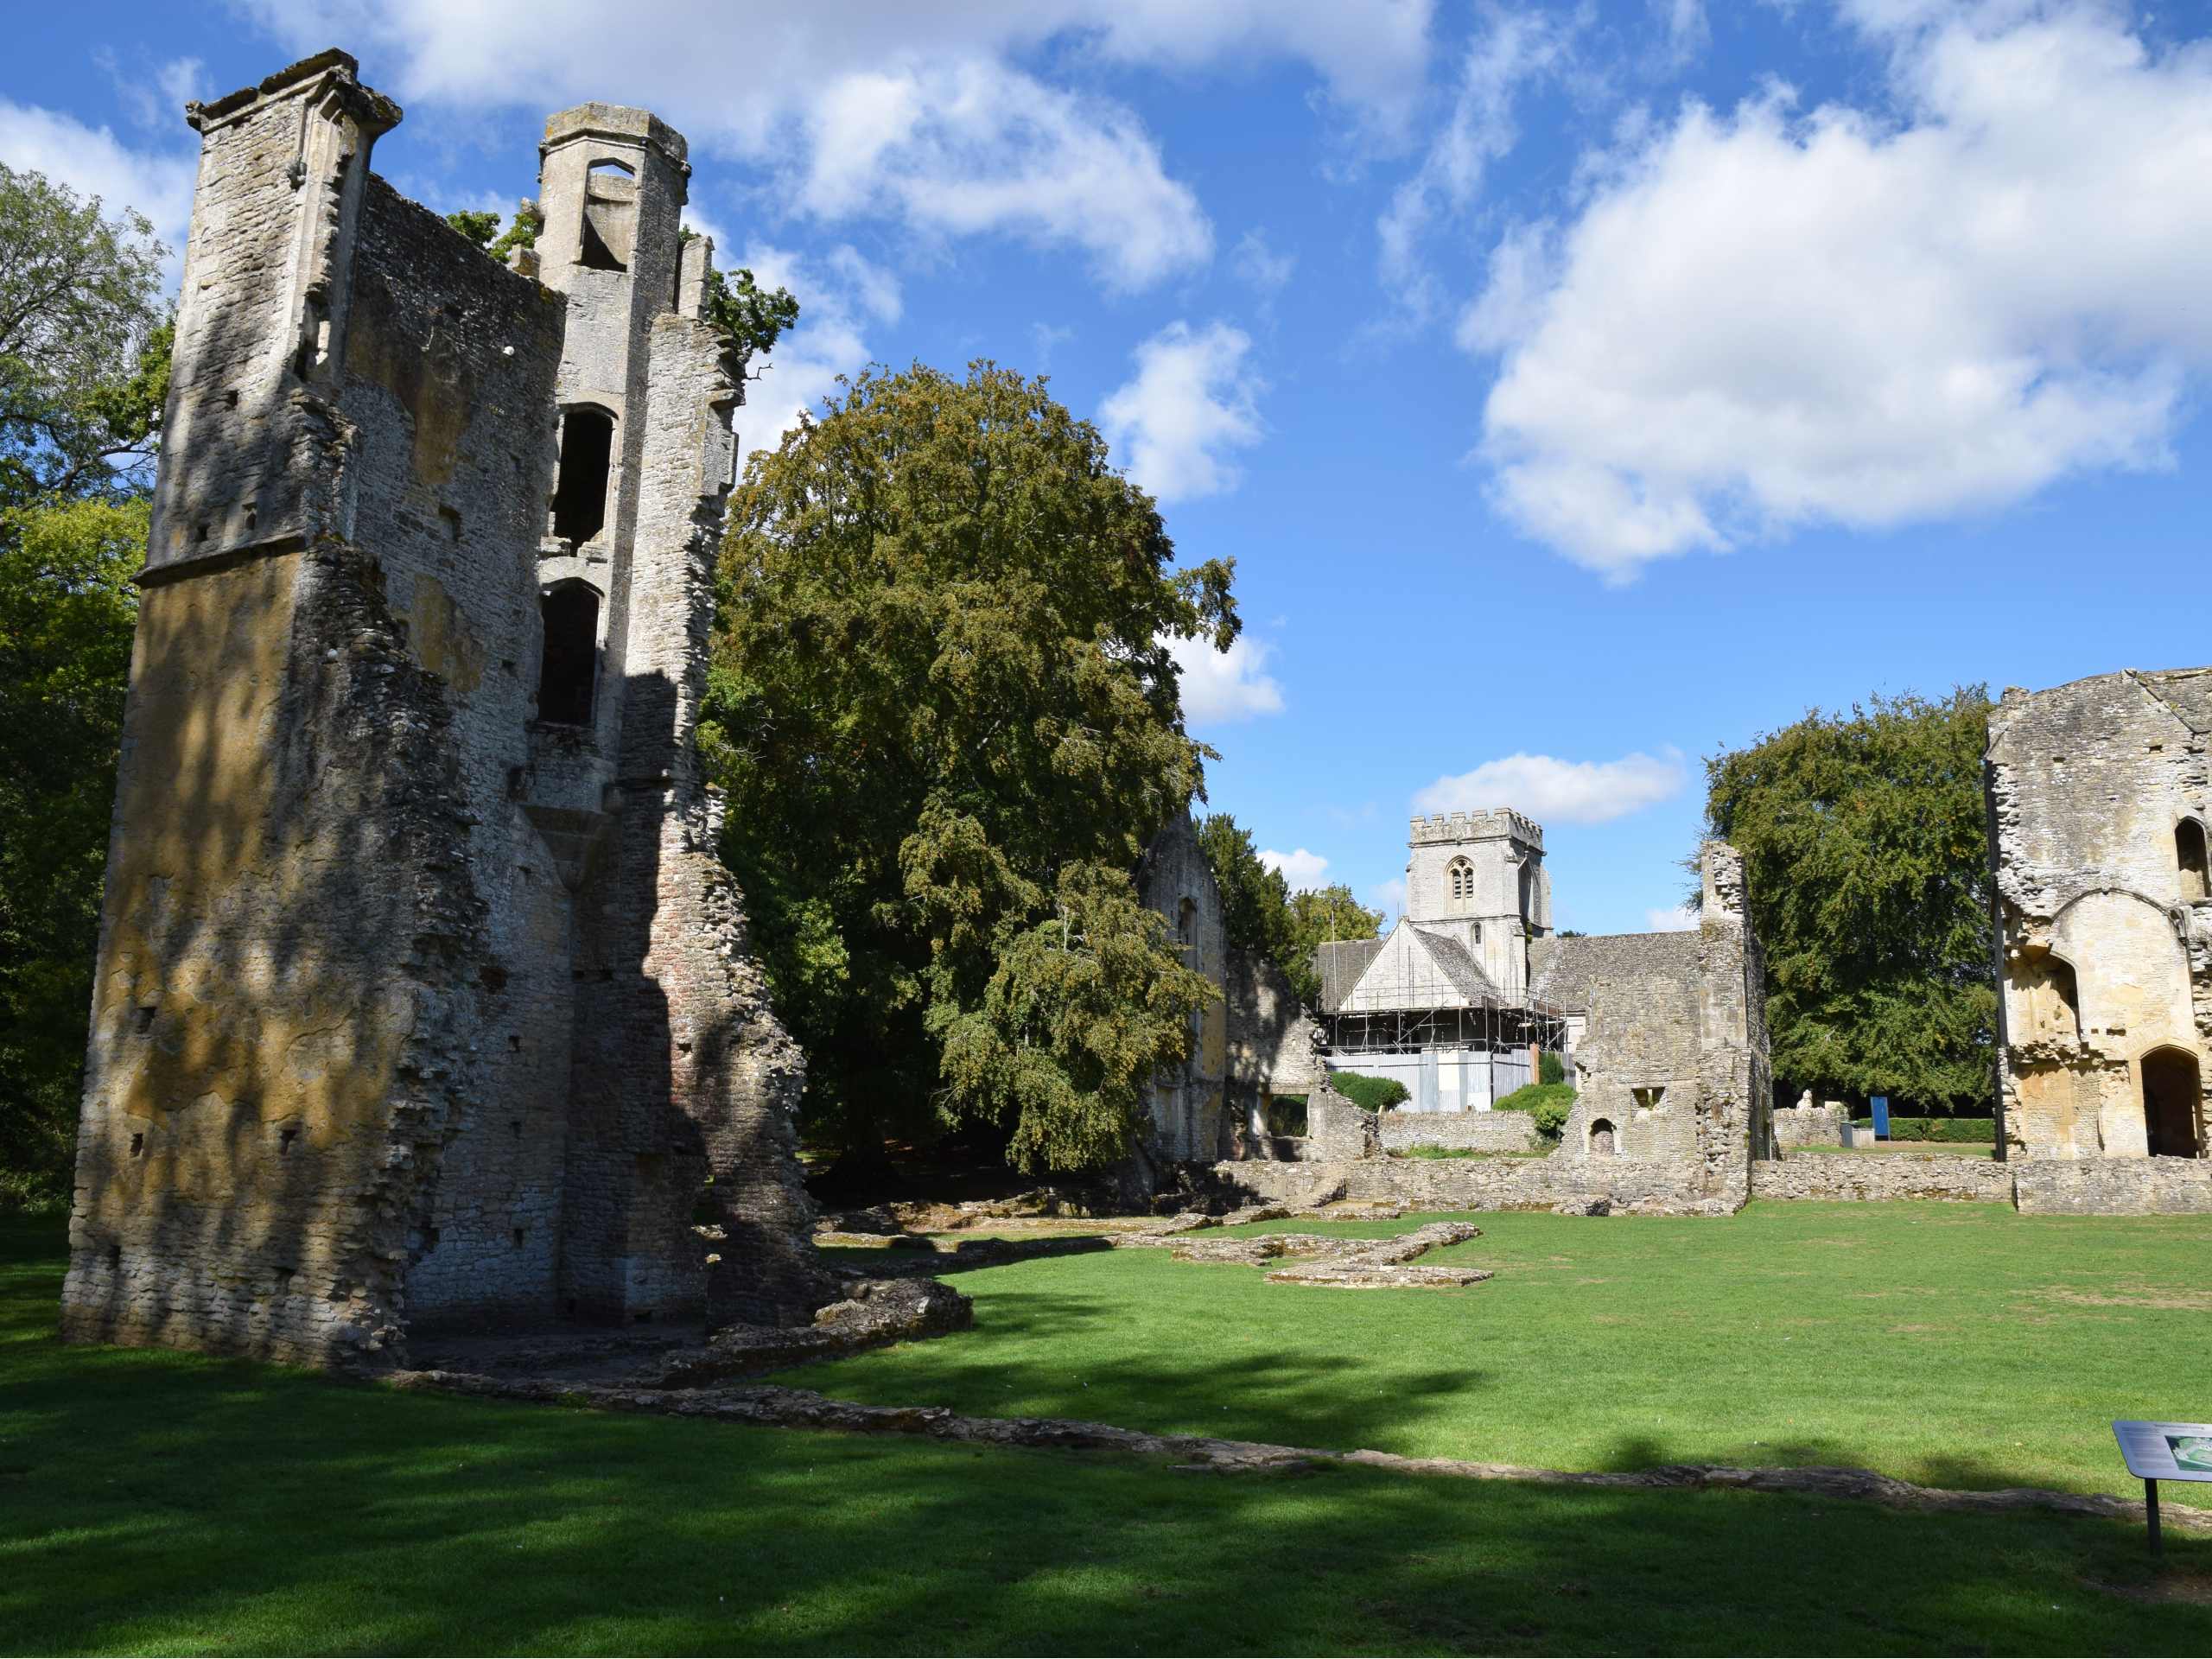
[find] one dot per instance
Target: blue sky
(1580, 391)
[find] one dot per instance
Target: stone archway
(2172, 1096)
(1602, 1139)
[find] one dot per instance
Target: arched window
(1602, 1139)
(2189, 852)
(1460, 878)
(567, 673)
(587, 456)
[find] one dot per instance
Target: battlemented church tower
(1479, 877)
(421, 998)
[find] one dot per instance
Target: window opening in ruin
(587, 456)
(1601, 1138)
(610, 216)
(137, 1146)
(570, 672)
(2173, 1099)
(2189, 852)
(1650, 1098)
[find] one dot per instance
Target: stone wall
(1336, 1130)
(1459, 1184)
(2099, 795)
(2113, 1187)
(1466, 1131)
(1809, 1126)
(415, 1008)
(1874, 1176)
(1176, 879)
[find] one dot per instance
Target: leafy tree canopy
(84, 344)
(1867, 859)
(84, 369)
(1261, 913)
(944, 705)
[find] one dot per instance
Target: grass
(1984, 1150)
(1954, 1344)
(155, 1501)
(1467, 1151)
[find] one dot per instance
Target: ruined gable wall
(1176, 879)
(1640, 994)
(2086, 783)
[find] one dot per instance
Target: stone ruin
(422, 1002)
(2100, 793)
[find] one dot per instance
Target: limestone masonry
(2100, 793)
(422, 1000)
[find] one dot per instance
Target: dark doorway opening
(1602, 1139)
(586, 455)
(570, 672)
(2172, 1093)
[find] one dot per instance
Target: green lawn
(152, 1501)
(1954, 1344)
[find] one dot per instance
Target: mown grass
(1955, 1345)
(155, 1501)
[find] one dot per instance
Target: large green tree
(1867, 859)
(944, 707)
(1259, 912)
(83, 367)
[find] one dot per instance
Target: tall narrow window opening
(586, 455)
(1460, 876)
(569, 673)
(610, 216)
(2173, 1097)
(2189, 852)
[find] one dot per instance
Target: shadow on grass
(164, 1500)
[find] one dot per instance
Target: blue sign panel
(1881, 1105)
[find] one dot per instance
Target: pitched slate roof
(1340, 964)
(1418, 969)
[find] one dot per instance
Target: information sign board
(1881, 1105)
(2157, 1451)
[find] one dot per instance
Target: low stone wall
(1457, 1184)
(1337, 1130)
(1878, 1176)
(1467, 1131)
(2113, 1187)
(1809, 1126)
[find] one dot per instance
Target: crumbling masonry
(2100, 793)
(422, 1000)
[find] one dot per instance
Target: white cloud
(1300, 869)
(1510, 49)
(1670, 919)
(155, 96)
(1389, 898)
(92, 161)
(837, 299)
(1193, 398)
(1258, 266)
(1569, 791)
(884, 106)
(1762, 319)
(1222, 686)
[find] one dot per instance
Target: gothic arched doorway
(1601, 1139)
(2172, 1095)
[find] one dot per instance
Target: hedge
(1547, 1103)
(1370, 1094)
(1973, 1131)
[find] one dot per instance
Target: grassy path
(152, 1501)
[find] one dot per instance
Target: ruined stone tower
(2099, 795)
(421, 998)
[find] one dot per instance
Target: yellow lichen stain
(439, 638)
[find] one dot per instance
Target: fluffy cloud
(1300, 869)
(1222, 686)
(1388, 897)
(1192, 400)
(884, 106)
(1670, 919)
(1509, 50)
(839, 296)
(1763, 318)
(1567, 791)
(92, 161)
